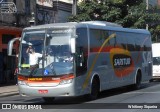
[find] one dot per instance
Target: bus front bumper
(156, 75)
(57, 91)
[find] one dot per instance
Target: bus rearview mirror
(73, 42)
(10, 46)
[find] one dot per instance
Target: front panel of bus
(46, 64)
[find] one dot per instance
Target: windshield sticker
(46, 72)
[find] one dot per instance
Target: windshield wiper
(54, 72)
(33, 70)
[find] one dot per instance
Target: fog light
(21, 82)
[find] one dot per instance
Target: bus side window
(121, 40)
(138, 43)
(112, 41)
(130, 42)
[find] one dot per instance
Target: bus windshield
(156, 60)
(46, 54)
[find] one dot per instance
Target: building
(17, 14)
(8, 63)
(44, 13)
(62, 10)
(153, 2)
(37, 11)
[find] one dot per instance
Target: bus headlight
(67, 81)
(21, 82)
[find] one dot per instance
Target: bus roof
(89, 24)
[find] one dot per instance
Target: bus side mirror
(10, 46)
(73, 43)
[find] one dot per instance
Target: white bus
(156, 60)
(82, 58)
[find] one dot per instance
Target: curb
(9, 94)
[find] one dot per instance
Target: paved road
(115, 98)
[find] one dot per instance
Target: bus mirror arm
(81, 60)
(10, 46)
(81, 56)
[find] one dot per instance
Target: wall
(42, 13)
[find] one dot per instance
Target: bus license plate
(43, 91)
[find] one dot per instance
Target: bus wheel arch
(95, 87)
(138, 79)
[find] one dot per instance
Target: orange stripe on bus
(104, 49)
(46, 79)
(38, 82)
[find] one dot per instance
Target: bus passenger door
(81, 56)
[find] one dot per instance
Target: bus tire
(137, 84)
(95, 87)
(48, 99)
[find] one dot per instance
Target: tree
(97, 10)
(128, 13)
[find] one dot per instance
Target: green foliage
(128, 13)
